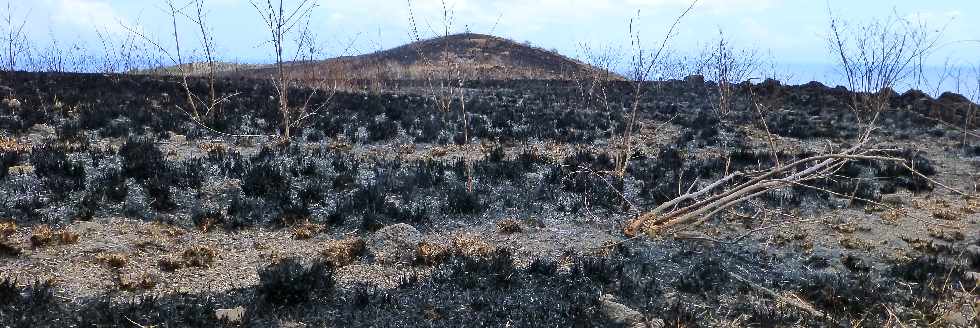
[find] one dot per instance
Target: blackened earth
(80, 149)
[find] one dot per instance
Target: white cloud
(86, 14)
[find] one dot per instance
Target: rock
(619, 313)
(656, 323)
(395, 244)
(233, 316)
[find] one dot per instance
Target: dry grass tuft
(340, 146)
(431, 254)
(947, 215)
(21, 170)
(892, 216)
(947, 235)
(137, 281)
(67, 237)
(113, 260)
(170, 263)
(343, 252)
(509, 226)
(306, 231)
(972, 206)
(7, 229)
(199, 256)
(12, 145)
(471, 245)
(208, 147)
(41, 236)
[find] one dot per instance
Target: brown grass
(113, 260)
(472, 245)
(12, 145)
(343, 252)
(199, 256)
(947, 215)
(431, 254)
(137, 281)
(7, 229)
(306, 231)
(41, 236)
(67, 237)
(509, 226)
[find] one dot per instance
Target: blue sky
(791, 32)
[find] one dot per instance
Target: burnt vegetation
(119, 145)
(672, 281)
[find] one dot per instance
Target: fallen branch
(777, 178)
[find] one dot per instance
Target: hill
(476, 56)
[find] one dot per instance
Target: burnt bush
(268, 181)
(60, 175)
(290, 283)
(26, 306)
(460, 200)
(7, 160)
(899, 175)
(142, 159)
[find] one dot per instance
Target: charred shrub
(158, 188)
(347, 169)
(142, 159)
(268, 181)
(848, 295)
(7, 160)
(382, 129)
(60, 175)
(242, 212)
(461, 200)
(428, 174)
(290, 283)
(26, 306)
(903, 177)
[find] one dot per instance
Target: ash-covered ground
(116, 209)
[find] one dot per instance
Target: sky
(790, 33)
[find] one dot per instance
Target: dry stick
(770, 138)
(193, 114)
(641, 77)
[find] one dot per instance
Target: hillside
(477, 56)
(117, 210)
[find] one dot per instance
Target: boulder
(395, 244)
